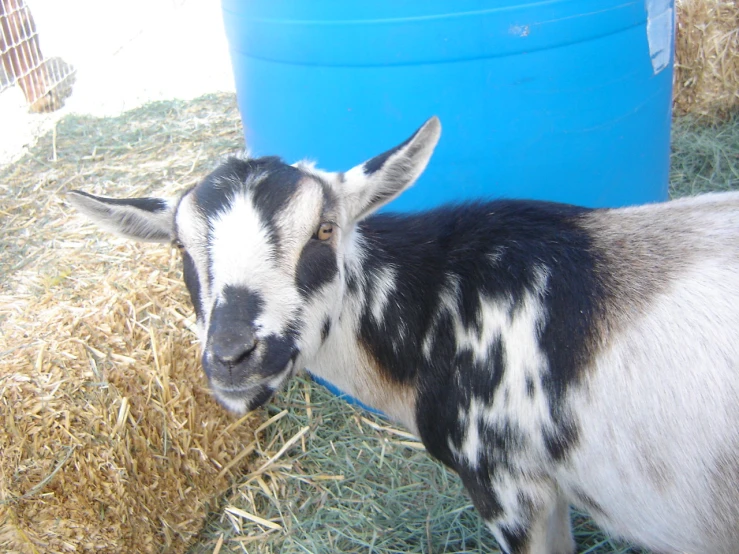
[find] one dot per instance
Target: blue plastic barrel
(566, 100)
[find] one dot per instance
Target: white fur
(647, 398)
(384, 284)
(193, 232)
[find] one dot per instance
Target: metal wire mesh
(45, 82)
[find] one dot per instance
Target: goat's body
(552, 355)
(630, 409)
(658, 411)
(658, 456)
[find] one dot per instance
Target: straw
(706, 83)
(110, 439)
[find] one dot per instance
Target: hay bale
(706, 81)
(110, 440)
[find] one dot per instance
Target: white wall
(127, 52)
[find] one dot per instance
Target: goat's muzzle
(228, 355)
(243, 371)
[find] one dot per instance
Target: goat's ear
(377, 181)
(145, 219)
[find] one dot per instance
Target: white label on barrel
(660, 26)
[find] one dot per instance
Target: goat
(552, 355)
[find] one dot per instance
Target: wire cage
(45, 82)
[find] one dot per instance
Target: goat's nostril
(232, 350)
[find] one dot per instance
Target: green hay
(704, 158)
(397, 502)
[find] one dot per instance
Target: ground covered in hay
(110, 441)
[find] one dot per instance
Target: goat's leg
(526, 516)
(547, 531)
(551, 530)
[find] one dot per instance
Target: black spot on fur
(316, 267)
(325, 330)
(352, 281)
(147, 204)
(585, 502)
(516, 538)
(487, 376)
(192, 282)
(279, 350)
(279, 184)
(559, 442)
(262, 396)
(238, 306)
(216, 191)
(525, 504)
(481, 493)
(530, 386)
(502, 442)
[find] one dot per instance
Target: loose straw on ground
(110, 440)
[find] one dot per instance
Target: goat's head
(263, 245)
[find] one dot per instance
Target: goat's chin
(246, 399)
(243, 400)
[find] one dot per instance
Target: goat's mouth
(250, 396)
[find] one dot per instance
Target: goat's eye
(178, 245)
(325, 231)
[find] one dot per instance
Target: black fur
(147, 204)
(488, 249)
(192, 283)
(231, 333)
(516, 538)
(215, 192)
(325, 330)
(317, 266)
(560, 442)
(481, 492)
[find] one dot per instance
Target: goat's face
(263, 246)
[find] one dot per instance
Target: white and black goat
(552, 355)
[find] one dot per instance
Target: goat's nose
(233, 347)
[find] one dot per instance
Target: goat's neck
(372, 349)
